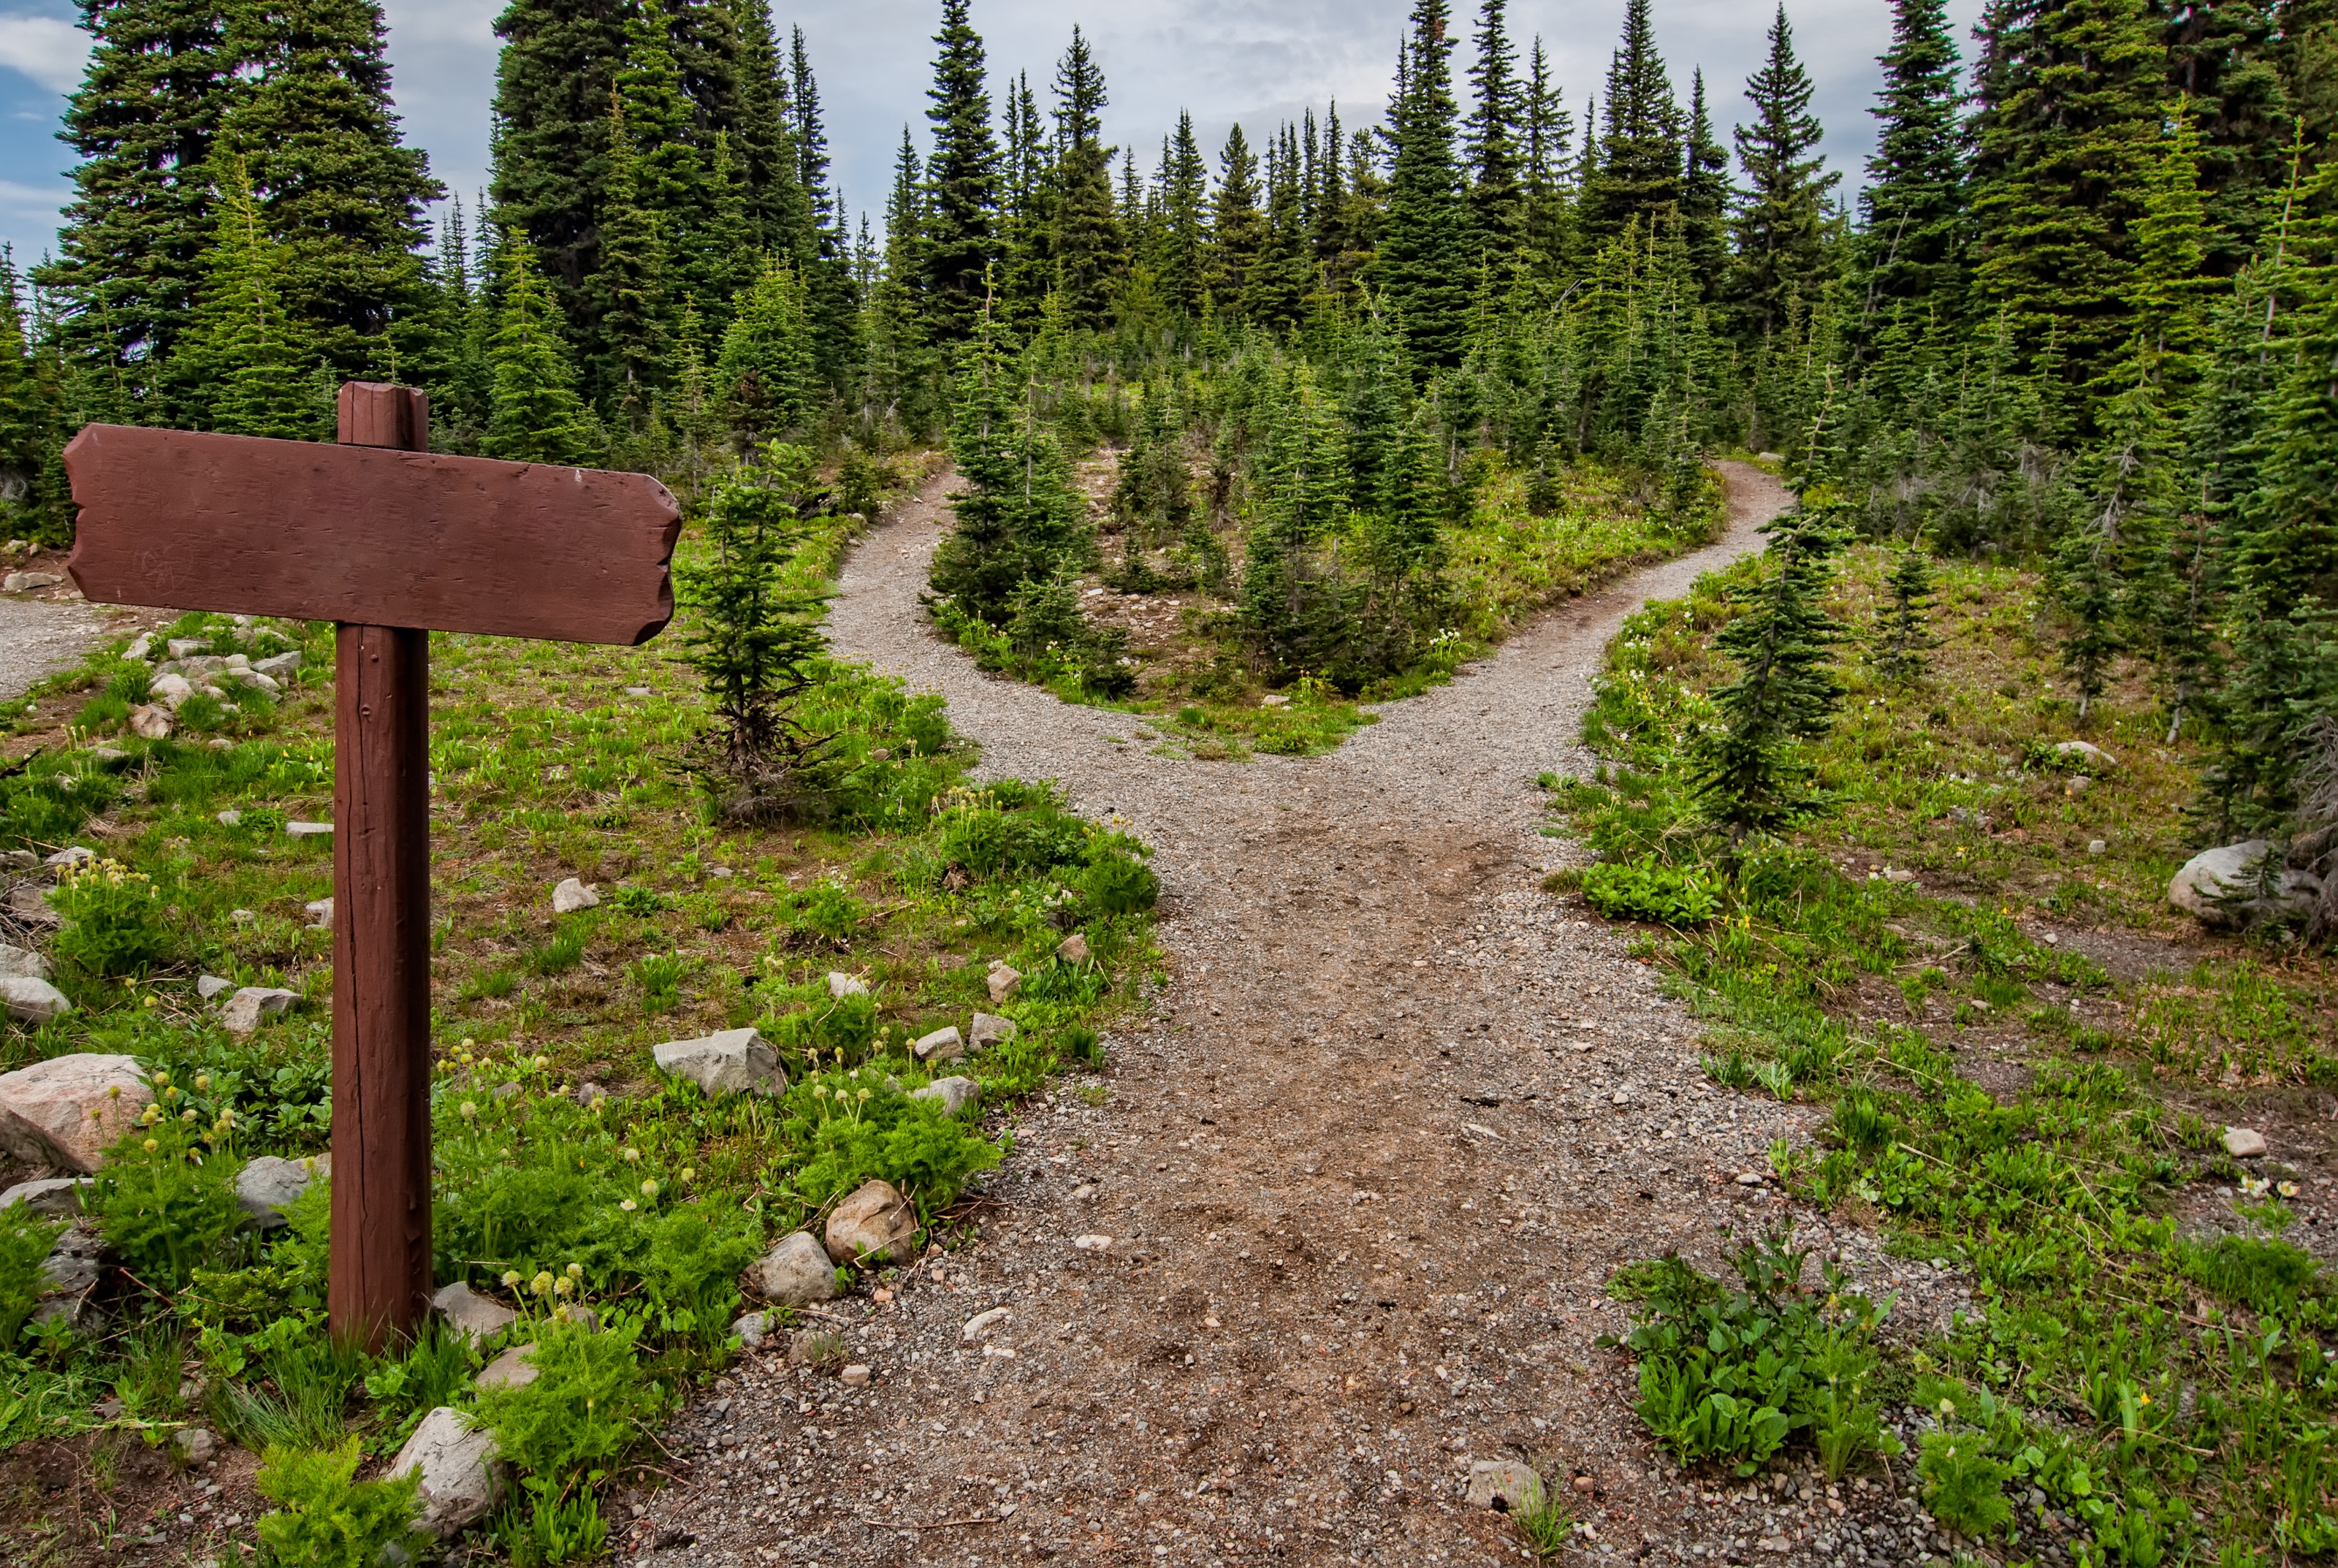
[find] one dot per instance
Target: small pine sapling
(1903, 635)
(755, 639)
(2088, 583)
(1752, 777)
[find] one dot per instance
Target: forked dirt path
(1364, 1172)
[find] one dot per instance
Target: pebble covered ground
(1338, 1217)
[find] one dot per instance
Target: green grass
(2171, 1391)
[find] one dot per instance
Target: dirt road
(1364, 1175)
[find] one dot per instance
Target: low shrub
(589, 1402)
(165, 1198)
(1964, 1483)
(114, 918)
(1646, 889)
(24, 1243)
(330, 1520)
(854, 1131)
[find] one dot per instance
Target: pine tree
(1704, 189)
(1637, 166)
(1423, 265)
(1183, 255)
(1018, 519)
(1549, 135)
(1780, 219)
(559, 67)
(778, 212)
(248, 367)
(1237, 227)
(26, 426)
(958, 239)
(1902, 635)
(342, 197)
(2069, 116)
(142, 125)
(766, 369)
(2169, 297)
(831, 299)
(630, 286)
(2249, 69)
(537, 417)
(1278, 284)
(1089, 254)
(1753, 777)
(1909, 251)
(1496, 198)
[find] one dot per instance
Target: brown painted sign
(392, 543)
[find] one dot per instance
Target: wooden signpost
(393, 544)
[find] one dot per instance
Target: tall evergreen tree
(1497, 196)
(554, 79)
(1088, 249)
(958, 240)
(537, 417)
(1780, 219)
(1181, 254)
(778, 212)
(1754, 777)
(1237, 227)
(1549, 132)
(1423, 255)
(250, 369)
(1909, 251)
(1638, 167)
(342, 197)
(767, 367)
(1704, 189)
(132, 245)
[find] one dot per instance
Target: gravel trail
(38, 638)
(1364, 1172)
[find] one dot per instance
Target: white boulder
(2236, 886)
(796, 1271)
(462, 1476)
(67, 1111)
(246, 1009)
(734, 1062)
(571, 895)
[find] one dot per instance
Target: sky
(1256, 61)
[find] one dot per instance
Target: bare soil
(1365, 1169)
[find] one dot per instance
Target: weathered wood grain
(370, 534)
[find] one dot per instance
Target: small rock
(1507, 1487)
(873, 1224)
(30, 906)
(194, 1444)
(210, 985)
(1092, 1243)
(70, 1271)
(840, 985)
(1004, 980)
(854, 1376)
(320, 913)
(141, 646)
(2078, 784)
(231, 818)
(2241, 885)
(590, 1094)
(823, 1349)
(988, 1029)
(1073, 950)
(309, 829)
(56, 1198)
(171, 689)
(571, 895)
(267, 1187)
(468, 1312)
(19, 859)
(151, 722)
(512, 1369)
(2096, 846)
(637, 690)
(1586, 1484)
(1899, 874)
(797, 1271)
(462, 1477)
(753, 1328)
(25, 582)
(982, 1323)
(246, 1009)
(185, 647)
(279, 667)
(68, 1111)
(20, 964)
(955, 1094)
(943, 1044)
(734, 1062)
(71, 855)
(1749, 1178)
(2086, 751)
(2244, 1142)
(241, 917)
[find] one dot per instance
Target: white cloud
(50, 51)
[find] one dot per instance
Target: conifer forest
(1492, 825)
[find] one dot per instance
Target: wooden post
(379, 1285)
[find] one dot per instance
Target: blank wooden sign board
(392, 543)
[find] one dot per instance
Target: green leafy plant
(589, 1402)
(328, 1519)
(827, 909)
(114, 917)
(24, 1243)
(1645, 889)
(164, 1199)
(546, 1532)
(1964, 1482)
(659, 974)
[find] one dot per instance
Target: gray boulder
(279, 667)
(512, 1369)
(210, 985)
(30, 906)
(68, 1111)
(267, 1187)
(1073, 950)
(955, 1094)
(943, 1044)
(797, 1271)
(246, 1009)
(31, 1001)
(70, 1273)
(753, 1328)
(1005, 979)
(309, 829)
(194, 1444)
(2244, 1142)
(840, 985)
(468, 1313)
(990, 1029)
(734, 1062)
(21, 963)
(58, 1198)
(873, 1224)
(2238, 885)
(462, 1476)
(572, 896)
(2086, 752)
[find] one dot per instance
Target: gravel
(1365, 1168)
(38, 638)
